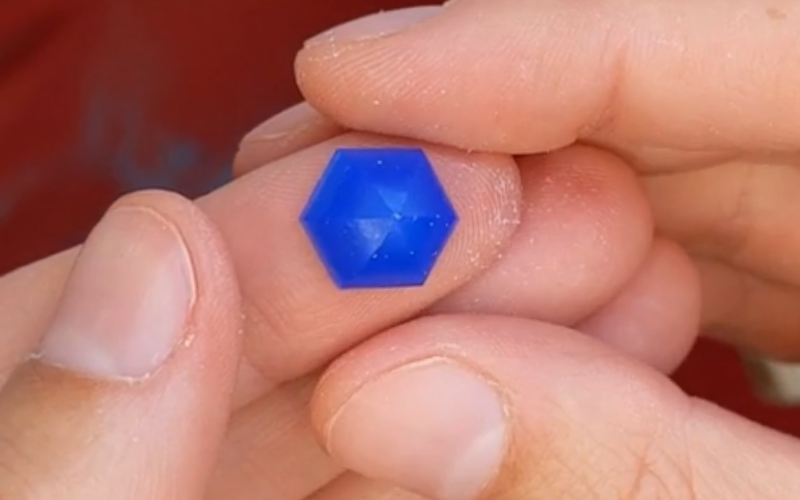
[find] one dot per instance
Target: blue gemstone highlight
(379, 218)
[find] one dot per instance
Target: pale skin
(631, 180)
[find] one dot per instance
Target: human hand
(574, 418)
(458, 406)
(103, 415)
(697, 97)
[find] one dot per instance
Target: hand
(497, 407)
(698, 97)
(136, 394)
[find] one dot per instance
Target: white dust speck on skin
(502, 219)
(188, 340)
(451, 349)
(333, 52)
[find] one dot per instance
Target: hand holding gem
(149, 341)
(137, 389)
(696, 99)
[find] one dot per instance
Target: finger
(739, 230)
(129, 395)
(581, 198)
(738, 236)
(656, 317)
(471, 407)
(292, 130)
(27, 298)
(517, 76)
(270, 449)
(737, 211)
(296, 319)
(585, 230)
(749, 311)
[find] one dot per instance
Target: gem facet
(379, 218)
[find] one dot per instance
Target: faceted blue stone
(379, 218)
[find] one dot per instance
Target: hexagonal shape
(379, 218)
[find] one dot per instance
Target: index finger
(519, 76)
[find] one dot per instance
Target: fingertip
(141, 354)
(396, 84)
(585, 229)
(572, 409)
(426, 396)
(466, 407)
(528, 77)
(215, 315)
(655, 317)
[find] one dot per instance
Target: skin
(308, 324)
(697, 99)
(515, 373)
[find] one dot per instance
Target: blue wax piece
(379, 218)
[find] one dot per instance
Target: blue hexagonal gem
(379, 218)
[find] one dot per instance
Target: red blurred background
(101, 97)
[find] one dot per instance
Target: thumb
(522, 76)
(129, 395)
(467, 408)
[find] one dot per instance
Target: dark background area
(101, 97)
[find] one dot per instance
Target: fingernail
(125, 305)
(288, 121)
(376, 25)
(433, 427)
